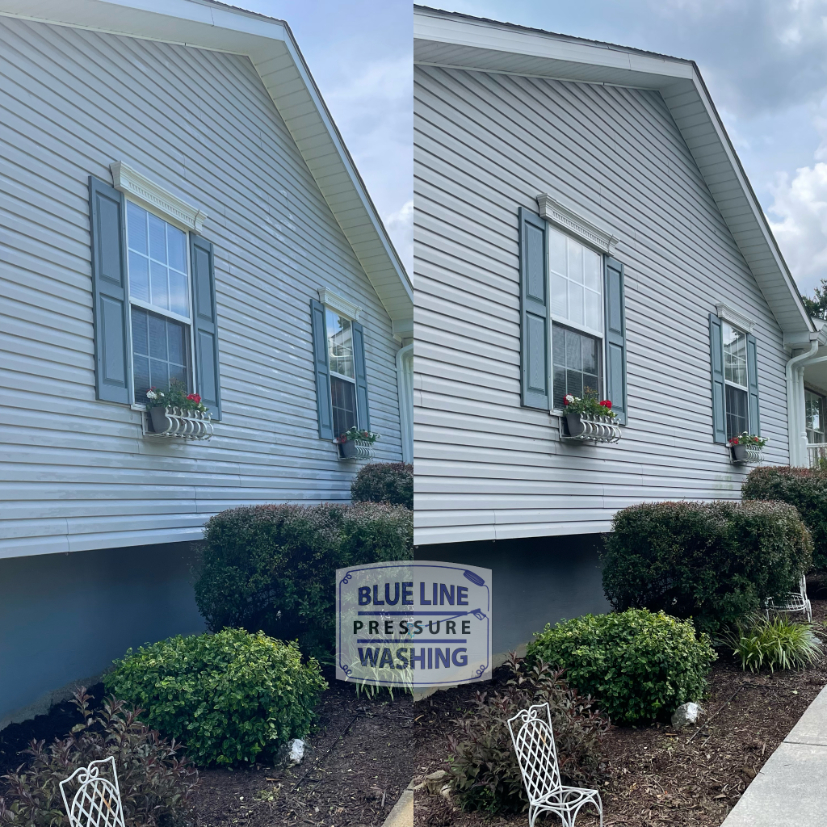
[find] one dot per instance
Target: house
(175, 203)
(582, 222)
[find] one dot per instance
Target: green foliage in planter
(804, 488)
(273, 567)
(638, 665)
(777, 643)
(483, 768)
(156, 781)
(714, 562)
(384, 482)
(230, 697)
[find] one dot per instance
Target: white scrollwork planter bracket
(170, 423)
(583, 428)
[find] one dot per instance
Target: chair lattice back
(97, 800)
(536, 752)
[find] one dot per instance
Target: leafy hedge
(713, 562)
(229, 697)
(273, 567)
(806, 489)
(384, 482)
(638, 666)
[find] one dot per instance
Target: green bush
(230, 697)
(273, 567)
(806, 489)
(777, 643)
(639, 666)
(714, 562)
(156, 781)
(483, 767)
(384, 482)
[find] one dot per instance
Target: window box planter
(179, 424)
(582, 428)
(356, 449)
(744, 454)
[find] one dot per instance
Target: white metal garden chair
(793, 602)
(537, 755)
(97, 800)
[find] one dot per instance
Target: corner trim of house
(734, 317)
(577, 224)
(154, 196)
(336, 302)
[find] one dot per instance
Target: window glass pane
(343, 395)
(593, 318)
(178, 299)
(177, 242)
(575, 303)
(575, 260)
(589, 350)
(138, 277)
(574, 350)
(591, 263)
(160, 349)
(559, 387)
(157, 239)
(557, 252)
(737, 419)
(340, 344)
(157, 337)
(575, 364)
(559, 305)
(140, 336)
(815, 416)
(735, 355)
(158, 282)
(136, 228)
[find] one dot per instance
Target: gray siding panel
(76, 473)
(486, 467)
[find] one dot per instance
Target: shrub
(806, 489)
(714, 562)
(230, 697)
(484, 772)
(273, 567)
(384, 482)
(639, 666)
(156, 781)
(777, 643)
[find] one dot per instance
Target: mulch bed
(655, 776)
(357, 764)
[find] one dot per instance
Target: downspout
(404, 384)
(795, 412)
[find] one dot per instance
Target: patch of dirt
(655, 776)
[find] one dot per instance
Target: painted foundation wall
(536, 580)
(65, 617)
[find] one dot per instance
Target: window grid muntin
(186, 321)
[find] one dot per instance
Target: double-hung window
(576, 291)
(736, 381)
(814, 412)
(342, 371)
(159, 298)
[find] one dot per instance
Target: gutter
(404, 386)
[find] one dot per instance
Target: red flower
(734, 441)
(606, 404)
(194, 397)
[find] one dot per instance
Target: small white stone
(686, 714)
(296, 751)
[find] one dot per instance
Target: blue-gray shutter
(362, 408)
(752, 384)
(205, 324)
(321, 366)
(615, 338)
(716, 348)
(534, 318)
(113, 377)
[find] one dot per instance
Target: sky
(764, 62)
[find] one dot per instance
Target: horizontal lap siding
(485, 467)
(76, 473)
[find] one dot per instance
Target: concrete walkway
(791, 789)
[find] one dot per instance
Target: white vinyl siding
(485, 467)
(76, 472)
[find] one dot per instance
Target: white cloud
(400, 226)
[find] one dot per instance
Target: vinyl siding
(486, 468)
(76, 473)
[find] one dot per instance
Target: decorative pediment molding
(340, 304)
(734, 317)
(149, 194)
(582, 228)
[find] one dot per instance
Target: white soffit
(270, 45)
(452, 40)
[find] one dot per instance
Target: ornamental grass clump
(155, 779)
(774, 643)
(231, 698)
(804, 488)
(713, 562)
(638, 666)
(483, 769)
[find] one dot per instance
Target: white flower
(151, 395)
(569, 398)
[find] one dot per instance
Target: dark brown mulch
(655, 776)
(359, 761)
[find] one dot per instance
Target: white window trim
(584, 229)
(339, 303)
(735, 318)
(729, 382)
(154, 197)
